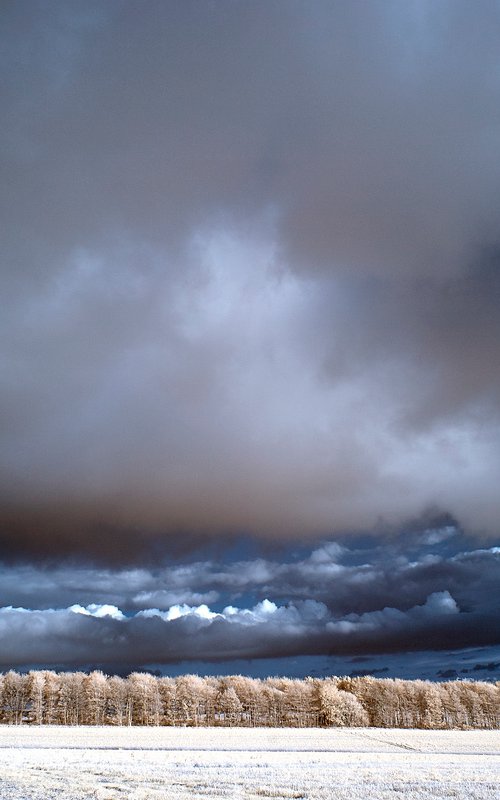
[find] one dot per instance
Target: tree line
(76, 698)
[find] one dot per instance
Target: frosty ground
(43, 763)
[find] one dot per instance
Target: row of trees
(75, 698)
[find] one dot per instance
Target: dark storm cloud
(100, 634)
(251, 261)
(321, 604)
(331, 574)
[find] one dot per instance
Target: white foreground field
(42, 763)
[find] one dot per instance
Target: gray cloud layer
(79, 636)
(251, 266)
(333, 601)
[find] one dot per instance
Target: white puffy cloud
(178, 611)
(96, 610)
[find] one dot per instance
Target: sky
(250, 336)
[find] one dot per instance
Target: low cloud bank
(347, 576)
(383, 596)
(102, 634)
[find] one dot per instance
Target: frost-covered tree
(249, 692)
(339, 708)
(145, 698)
(191, 698)
(429, 704)
(274, 700)
(36, 685)
(455, 714)
(118, 706)
(15, 697)
(71, 699)
(94, 693)
(227, 705)
(51, 688)
(166, 689)
(489, 702)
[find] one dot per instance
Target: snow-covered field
(153, 763)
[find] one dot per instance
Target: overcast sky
(250, 263)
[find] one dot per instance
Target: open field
(42, 763)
